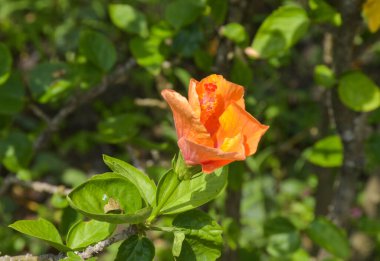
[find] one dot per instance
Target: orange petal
(193, 98)
(236, 120)
(234, 144)
(232, 93)
(186, 122)
(209, 167)
(195, 154)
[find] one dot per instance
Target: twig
(76, 101)
(29, 257)
(150, 103)
(100, 246)
(39, 113)
(35, 185)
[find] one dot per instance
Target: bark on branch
(349, 123)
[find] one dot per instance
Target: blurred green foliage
(116, 56)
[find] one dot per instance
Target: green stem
(170, 187)
(162, 229)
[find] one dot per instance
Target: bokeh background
(79, 79)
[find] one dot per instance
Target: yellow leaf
(371, 10)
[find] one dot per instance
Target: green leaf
(203, 60)
(219, 10)
(41, 229)
(183, 12)
(283, 237)
(128, 19)
(322, 12)
(47, 81)
(324, 76)
(84, 75)
(143, 183)
(5, 63)
(147, 53)
(110, 198)
(241, 73)
(71, 256)
(278, 225)
(280, 31)
(12, 95)
(327, 152)
(121, 128)
(177, 243)
(83, 234)
(358, 92)
(15, 151)
(97, 49)
(328, 236)
(136, 249)
(183, 75)
(203, 236)
(370, 226)
(191, 193)
(235, 32)
(188, 41)
(280, 245)
(372, 149)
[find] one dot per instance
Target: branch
(148, 102)
(35, 185)
(76, 101)
(349, 123)
(102, 245)
(90, 251)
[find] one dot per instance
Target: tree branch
(349, 123)
(102, 245)
(35, 185)
(76, 101)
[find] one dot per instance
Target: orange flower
(213, 127)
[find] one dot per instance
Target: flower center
(210, 105)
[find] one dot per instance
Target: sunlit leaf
(327, 152)
(191, 193)
(143, 183)
(147, 53)
(83, 234)
(92, 198)
(41, 229)
(280, 30)
(127, 18)
(322, 11)
(358, 92)
(235, 32)
(324, 76)
(203, 236)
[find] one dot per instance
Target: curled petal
(195, 154)
(194, 99)
(186, 123)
